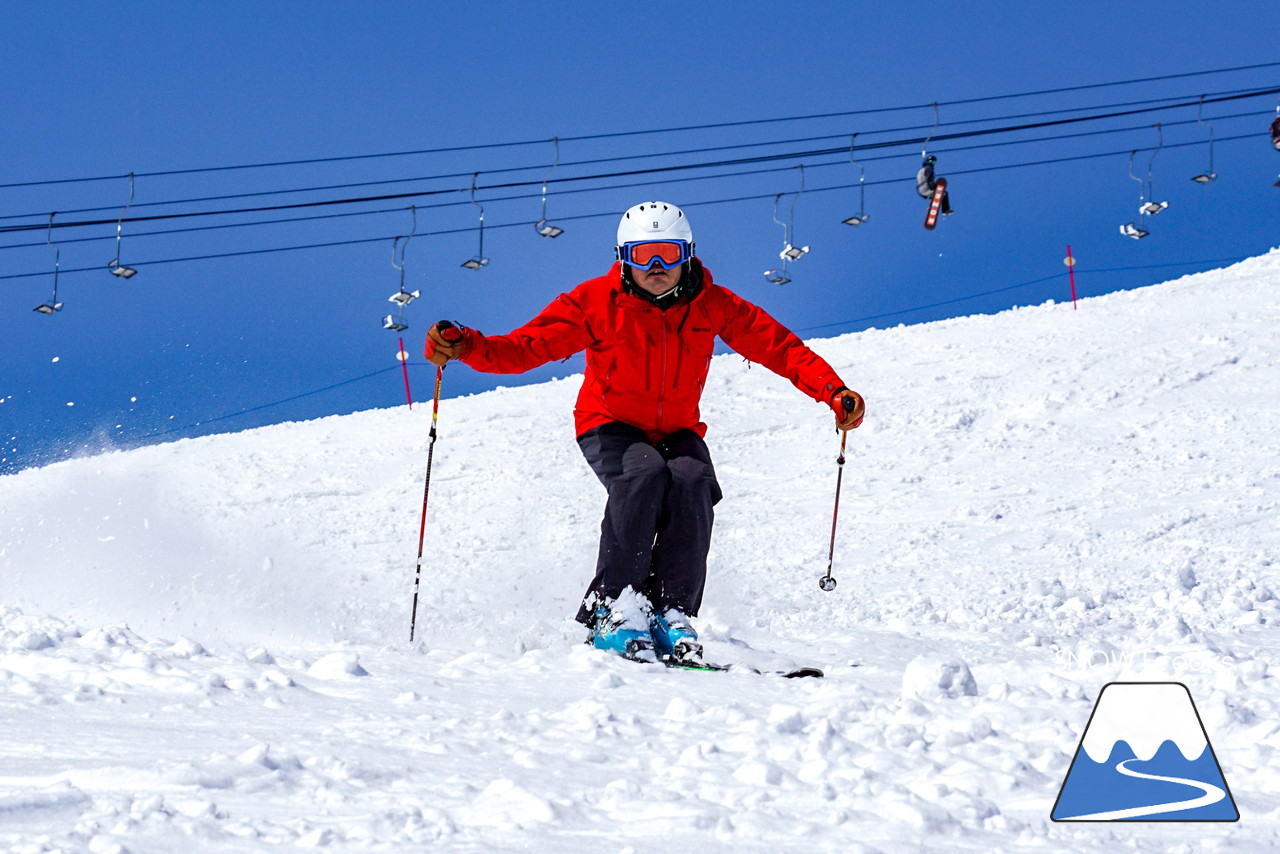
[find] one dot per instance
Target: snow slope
(204, 644)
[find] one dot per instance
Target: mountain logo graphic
(1145, 756)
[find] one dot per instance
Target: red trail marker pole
(1070, 261)
(404, 364)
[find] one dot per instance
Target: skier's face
(656, 280)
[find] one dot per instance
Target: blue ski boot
(623, 632)
(674, 637)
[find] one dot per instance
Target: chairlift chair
(1150, 207)
(479, 260)
(1207, 175)
(544, 228)
(122, 271)
(1138, 230)
(792, 253)
(862, 216)
(403, 298)
(53, 304)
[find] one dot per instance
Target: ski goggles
(643, 253)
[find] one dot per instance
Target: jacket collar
(692, 284)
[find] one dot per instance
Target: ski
(711, 667)
(644, 655)
(935, 204)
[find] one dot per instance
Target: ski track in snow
(204, 644)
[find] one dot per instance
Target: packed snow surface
(204, 644)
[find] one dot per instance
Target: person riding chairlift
(926, 184)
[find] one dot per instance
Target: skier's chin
(658, 283)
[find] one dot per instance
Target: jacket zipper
(648, 362)
(680, 348)
(662, 386)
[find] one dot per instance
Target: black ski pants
(657, 523)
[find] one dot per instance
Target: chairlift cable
(650, 131)
(646, 171)
(743, 173)
(611, 187)
(629, 157)
(611, 213)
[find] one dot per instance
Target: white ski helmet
(654, 221)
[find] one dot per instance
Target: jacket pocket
(692, 366)
(606, 379)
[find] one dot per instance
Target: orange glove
(849, 408)
(445, 341)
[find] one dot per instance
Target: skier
(926, 184)
(1275, 130)
(649, 327)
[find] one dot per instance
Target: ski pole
(426, 489)
(827, 583)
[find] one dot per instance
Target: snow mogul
(649, 327)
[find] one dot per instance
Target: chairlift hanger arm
(123, 213)
(791, 227)
(547, 178)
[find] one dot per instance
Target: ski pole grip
(445, 327)
(848, 403)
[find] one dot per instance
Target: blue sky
(225, 344)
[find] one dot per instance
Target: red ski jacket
(646, 367)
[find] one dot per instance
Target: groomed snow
(204, 644)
